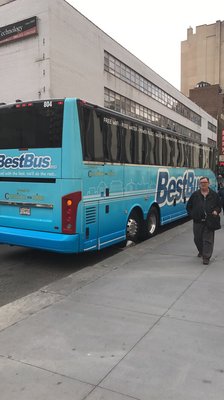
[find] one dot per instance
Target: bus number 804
(47, 104)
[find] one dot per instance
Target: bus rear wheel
(133, 227)
(152, 222)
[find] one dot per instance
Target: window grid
(122, 104)
(128, 75)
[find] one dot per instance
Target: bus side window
(190, 155)
(166, 150)
(152, 143)
(87, 134)
(195, 161)
(106, 129)
(186, 154)
(134, 147)
(175, 153)
(172, 152)
(111, 139)
(207, 153)
(98, 137)
(200, 157)
(212, 158)
(126, 146)
(180, 160)
(91, 134)
(136, 144)
(145, 149)
(115, 149)
(158, 149)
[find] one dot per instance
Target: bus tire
(152, 222)
(133, 227)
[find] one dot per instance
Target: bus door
(111, 206)
(102, 206)
(92, 192)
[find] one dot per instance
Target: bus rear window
(31, 125)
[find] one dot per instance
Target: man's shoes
(205, 261)
(199, 255)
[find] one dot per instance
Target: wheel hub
(132, 228)
(152, 224)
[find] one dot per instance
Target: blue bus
(76, 177)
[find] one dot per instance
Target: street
(23, 270)
(145, 322)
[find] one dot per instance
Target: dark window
(201, 157)
(107, 137)
(146, 146)
(100, 135)
(33, 126)
(180, 159)
(175, 153)
(166, 151)
(126, 135)
(173, 150)
(111, 138)
(87, 136)
(136, 144)
(186, 154)
(92, 135)
(152, 143)
(158, 149)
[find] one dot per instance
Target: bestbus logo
(25, 161)
(170, 188)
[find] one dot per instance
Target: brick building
(211, 99)
(202, 73)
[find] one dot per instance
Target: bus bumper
(40, 240)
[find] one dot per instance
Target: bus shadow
(24, 270)
(61, 263)
(41, 259)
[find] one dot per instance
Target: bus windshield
(31, 125)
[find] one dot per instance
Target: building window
(211, 127)
(128, 75)
(126, 106)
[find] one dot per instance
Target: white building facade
(49, 50)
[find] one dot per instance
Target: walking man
(203, 202)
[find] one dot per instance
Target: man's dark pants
(203, 239)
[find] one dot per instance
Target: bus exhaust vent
(90, 215)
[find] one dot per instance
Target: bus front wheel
(152, 222)
(133, 227)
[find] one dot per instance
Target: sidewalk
(145, 324)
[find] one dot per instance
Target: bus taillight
(69, 211)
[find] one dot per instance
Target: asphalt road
(23, 270)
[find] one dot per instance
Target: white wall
(66, 59)
(76, 55)
(22, 63)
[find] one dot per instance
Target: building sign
(18, 30)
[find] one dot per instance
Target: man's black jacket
(198, 205)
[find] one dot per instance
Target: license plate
(24, 211)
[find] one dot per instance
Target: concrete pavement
(145, 324)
